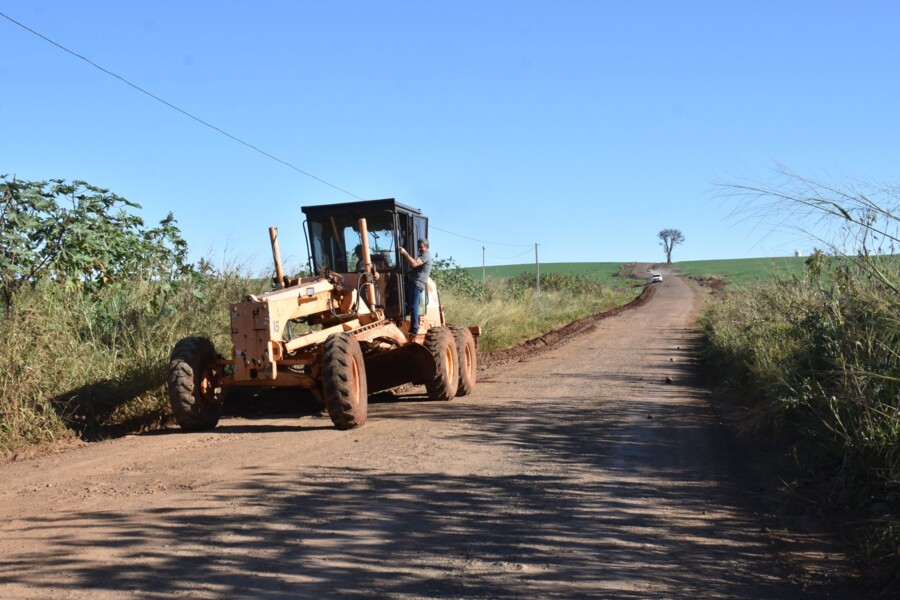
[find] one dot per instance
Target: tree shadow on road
(355, 533)
(634, 515)
(613, 497)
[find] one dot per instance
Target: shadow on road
(638, 514)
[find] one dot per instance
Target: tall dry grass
(818, 368)
(510, 310)
(93, 365)
(507, 321)
(816, 361)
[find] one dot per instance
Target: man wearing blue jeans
(417, 281)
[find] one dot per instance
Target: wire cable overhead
(182, 111)
(482, 241)
(222, 131)
(529, 251)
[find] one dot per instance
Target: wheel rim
(354, 374)
(207, 386)
(468, 358)
(448, 362)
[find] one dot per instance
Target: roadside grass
(93, 366)
(815, 364)
(605, 272)
(507, 305)
(506, 322)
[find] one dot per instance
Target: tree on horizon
(669, 238)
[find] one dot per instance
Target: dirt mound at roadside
(716, 284)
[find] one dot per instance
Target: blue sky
(585, 127)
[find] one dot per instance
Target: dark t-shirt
(419, 275)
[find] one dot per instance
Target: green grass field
(738, 273)
(742, 272)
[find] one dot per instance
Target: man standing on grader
(420, 270)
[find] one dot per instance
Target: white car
(655, 278)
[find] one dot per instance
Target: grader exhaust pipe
(281, 281)
(367, 261)
(276, 255)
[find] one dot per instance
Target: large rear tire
(468, 360)
(194, 384)
(443, 385)
(344, 381)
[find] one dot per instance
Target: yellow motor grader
(341, 333)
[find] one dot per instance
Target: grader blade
(411, 363)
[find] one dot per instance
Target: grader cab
(341, 333)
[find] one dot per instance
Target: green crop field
(742, 272)
(738, 273)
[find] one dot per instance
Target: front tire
(443, 385)
(194, 384)
(344, 381)
(468, 360)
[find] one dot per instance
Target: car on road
(656, 278)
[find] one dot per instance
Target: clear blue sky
(583, 126)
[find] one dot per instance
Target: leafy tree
(669, 238)
(449, 275)
(81, 236)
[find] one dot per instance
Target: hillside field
(738, 273)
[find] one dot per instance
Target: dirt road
(577, 473)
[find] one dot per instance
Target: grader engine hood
(258, 323)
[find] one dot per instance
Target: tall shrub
(81, 235)
(819, 357)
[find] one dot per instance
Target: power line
(482, 241)
(172, 106)
(225, 133)
(529, 251)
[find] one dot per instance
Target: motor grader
(342, 333)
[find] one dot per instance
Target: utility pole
(537, 264)
(483, 275)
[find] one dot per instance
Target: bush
(94, 302)
(82, 236)
(819, 365)
(452, 278)
(824, 354)
(92, 364)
